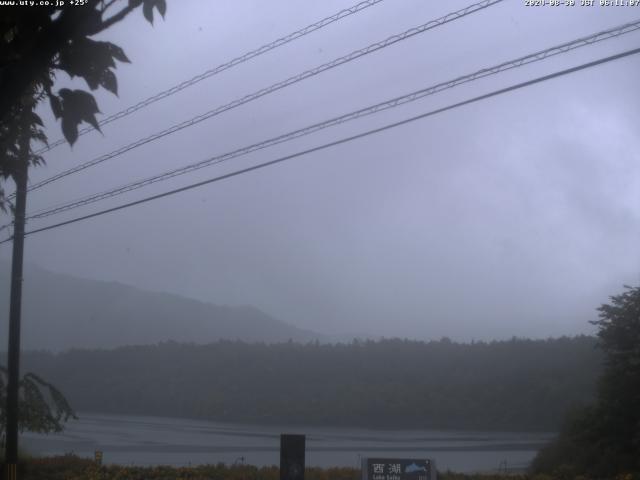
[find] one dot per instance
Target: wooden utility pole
(13, 367)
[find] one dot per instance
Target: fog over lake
(386, 219)
(141, 440)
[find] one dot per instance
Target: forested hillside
(62, 312)
(507, 385)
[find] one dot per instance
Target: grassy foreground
(70, 467)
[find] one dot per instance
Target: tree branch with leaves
(37, 43)
(43, 408)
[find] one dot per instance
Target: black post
(13, 381)
(292, 450)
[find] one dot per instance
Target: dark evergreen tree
(604, 439)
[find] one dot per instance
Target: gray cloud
(514, 216)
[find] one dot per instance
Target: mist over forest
(63, 311)
(513, 385)
(112, 348)
(390, 215)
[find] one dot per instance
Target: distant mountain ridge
(62, 312)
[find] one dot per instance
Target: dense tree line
(602, 439)
(508, 385)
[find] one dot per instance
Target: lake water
(170, 441)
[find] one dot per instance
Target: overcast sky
(518, 215)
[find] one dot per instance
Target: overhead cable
(382, 106)
(225, 66)
(275, 87)
(486, 96)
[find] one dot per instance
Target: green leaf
(147, 10)
(149, 5)
(40, 136)
(70, 130)
(161, 6)
(35, 118)
(37, 160)
(88, 59)
(109, 81)
(91, 21)
(77, 106)
(101, 55)
(92, 79)
(118, 53)
(80, 101)
(56, 106)
(91, 120)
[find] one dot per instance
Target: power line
(486, 96)
(225, 66)
(277, 86)
(388, 104)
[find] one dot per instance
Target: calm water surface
(152, 441)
